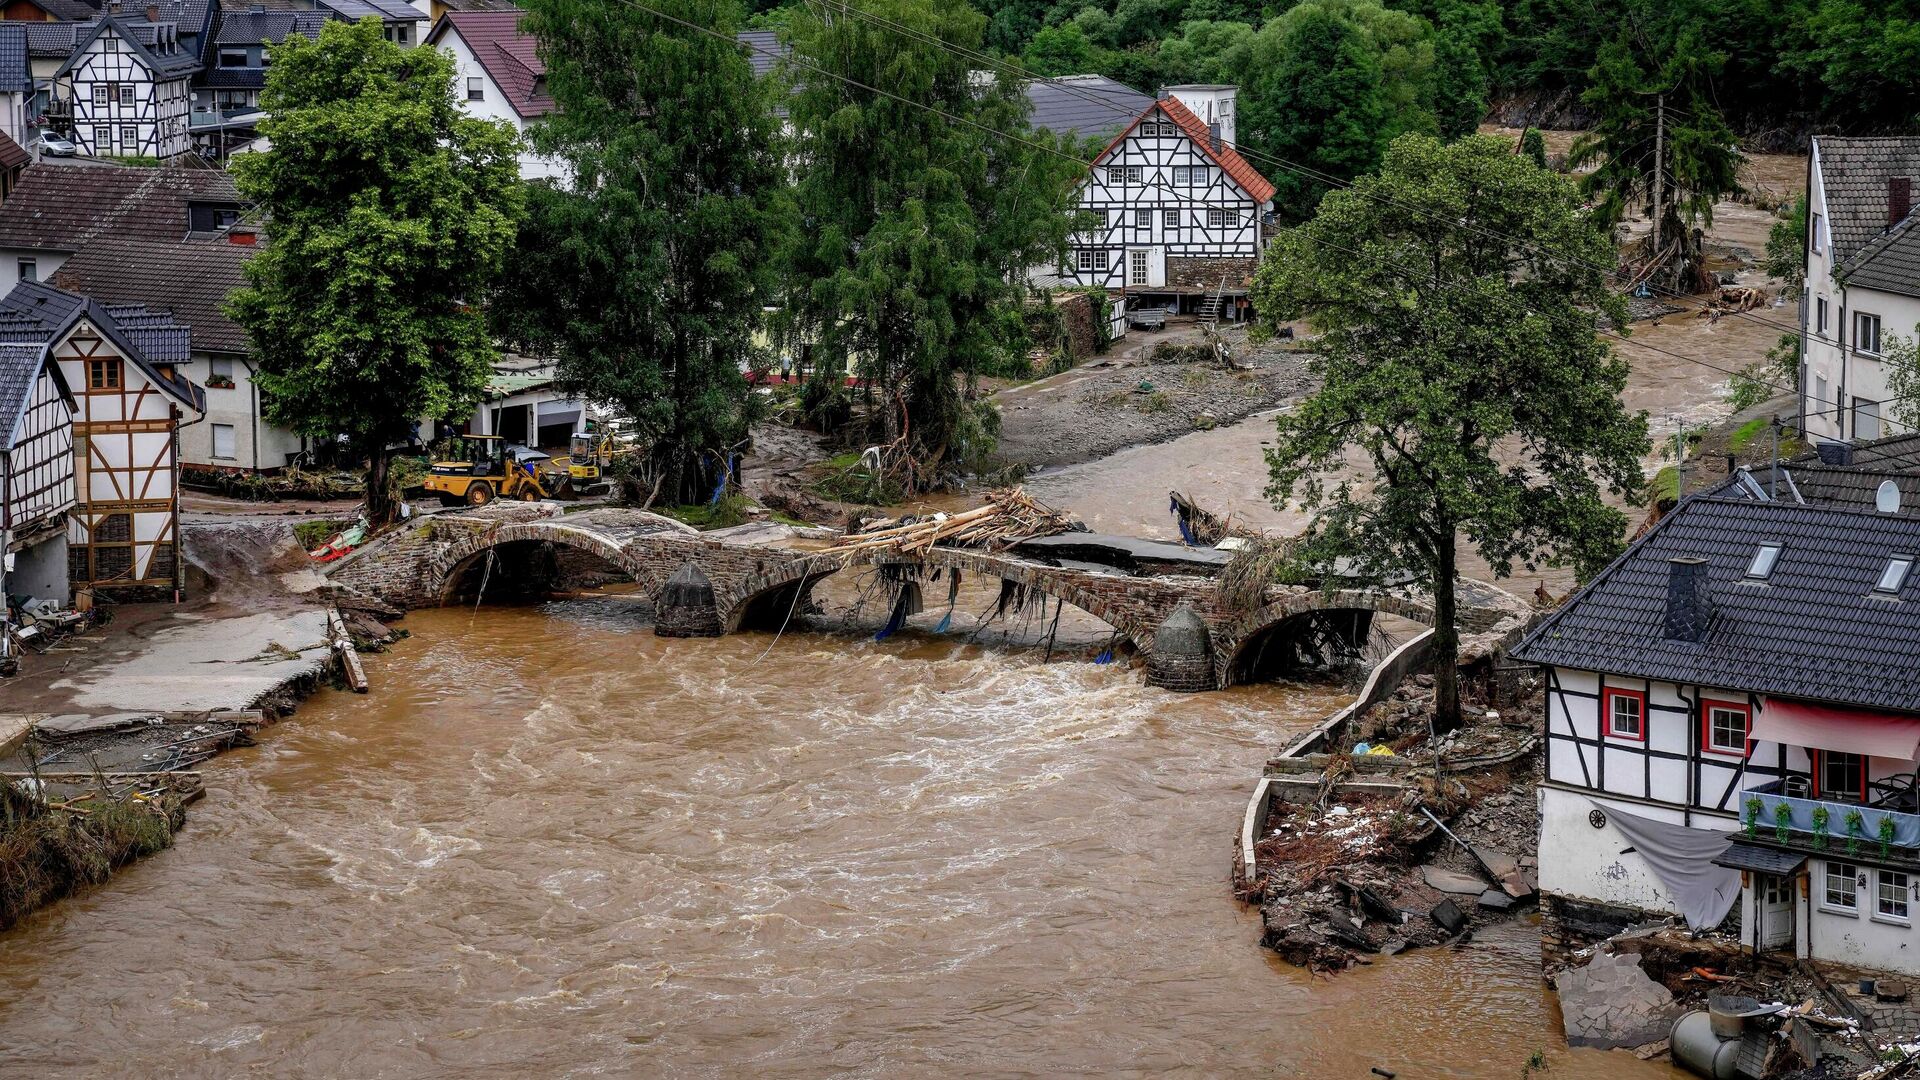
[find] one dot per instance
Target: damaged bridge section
(1160, 597)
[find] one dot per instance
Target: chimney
(1689, 600)
(1213, 135)
(242, 237)
(1899, 198)
(1833, 452)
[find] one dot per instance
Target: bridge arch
(771, 592)
(453, 566)
(1342, 614)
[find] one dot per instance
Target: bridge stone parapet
(421, 565)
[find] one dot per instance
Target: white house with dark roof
(1733, 720)
(130, 399)
(36, 472)
(1180, 213)
(1862, 280)
(126, 84)
(500, 76)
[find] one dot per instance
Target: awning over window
(1853, 731)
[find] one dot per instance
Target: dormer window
(1764, 558)
(1894, 575)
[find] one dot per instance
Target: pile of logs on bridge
(1007, 518)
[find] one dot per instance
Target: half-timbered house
(1733, 718)
(36, 471)
(126, 85)
(122, 363)
(1179, 212)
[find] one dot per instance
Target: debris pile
(1396, 842)
(1775, 1017)
(1008, 517)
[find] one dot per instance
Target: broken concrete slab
(14, 729)
(68, 725)
(1452, 881)
(1447, 916)
(1498, 863)
(1496, 900)
(1612, 1003)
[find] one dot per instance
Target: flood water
(552, 844)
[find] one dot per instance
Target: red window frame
(1817, 758)
(1706, 727)
(1606, 713)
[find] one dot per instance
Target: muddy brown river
(551, 844)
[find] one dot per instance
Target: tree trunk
(1446, 639)
(382, 509)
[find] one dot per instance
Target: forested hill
(1777, 69)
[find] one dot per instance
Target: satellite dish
(1887, 499)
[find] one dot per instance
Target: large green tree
(1660, 146)
(1313, 99)
(647, 271)
(1456, 293)
(917, 217)
(390, 212)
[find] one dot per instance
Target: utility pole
(1659, 166)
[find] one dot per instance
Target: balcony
(1760, 813)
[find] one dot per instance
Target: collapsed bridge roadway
(1161, 598)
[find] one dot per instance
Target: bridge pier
(685, 605)
(1182, 657)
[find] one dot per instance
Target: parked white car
(48, 144)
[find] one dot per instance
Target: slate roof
(1085, 106)
(14, 67)
(384, 10)
(37, 312)
(62, 208)
(1825, 485)
(267, 27)
(188, 280)
(1889, 262)
(1257, 187)
(479, 5)
(67, 10)
(508, 55)
(1891, 452)
(1813, 630)
(1854, 174)
(764, 50)
(141, 36)
(20, 363)
(50, 40)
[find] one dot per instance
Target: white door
(1776, 911)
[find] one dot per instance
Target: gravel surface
(1103, 406)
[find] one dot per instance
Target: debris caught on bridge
(1008, 517)
(1201, 527)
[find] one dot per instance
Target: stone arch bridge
(719, 582)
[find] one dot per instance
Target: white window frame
(101, 99)
(1820, 315)
(129, 136)
(476, 88)
(1143, 217)
(28, 269)
(1139, 267)
(1083, 259)
(1101, 259)
(102, 138)
(1170, 218)
(109, 43)
(1893, 576)
(1866, 333)
(232, 448)
(1899, 896)
(1717, 709)
(1608, 700)
(1851, 877)
(126, 93)
(1223, 217)
(1819, 242)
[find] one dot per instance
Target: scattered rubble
(1382, 847)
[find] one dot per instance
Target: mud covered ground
(1135, 399)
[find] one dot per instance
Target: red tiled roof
(1257, 187)
(509, 55)
(11, 153)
